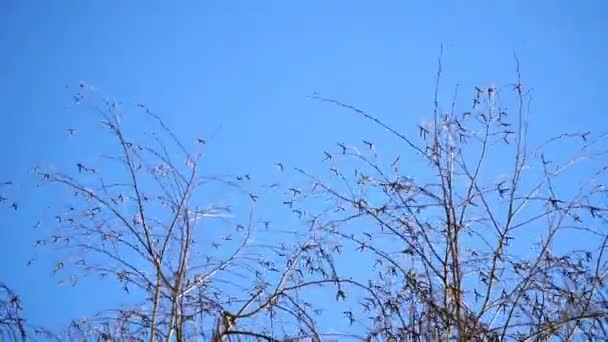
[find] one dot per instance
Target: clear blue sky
(248, 66)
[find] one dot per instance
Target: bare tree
(502, 237)
(202, 267)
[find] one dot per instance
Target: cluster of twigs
(202, 270)
(12, 325)
(494, 241)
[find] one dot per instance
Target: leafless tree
(144, 215)
(501, 237)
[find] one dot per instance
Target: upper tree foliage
(502, 237)
(499, 239)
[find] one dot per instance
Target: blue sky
(241, 71)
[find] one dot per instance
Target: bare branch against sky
(433, 186)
